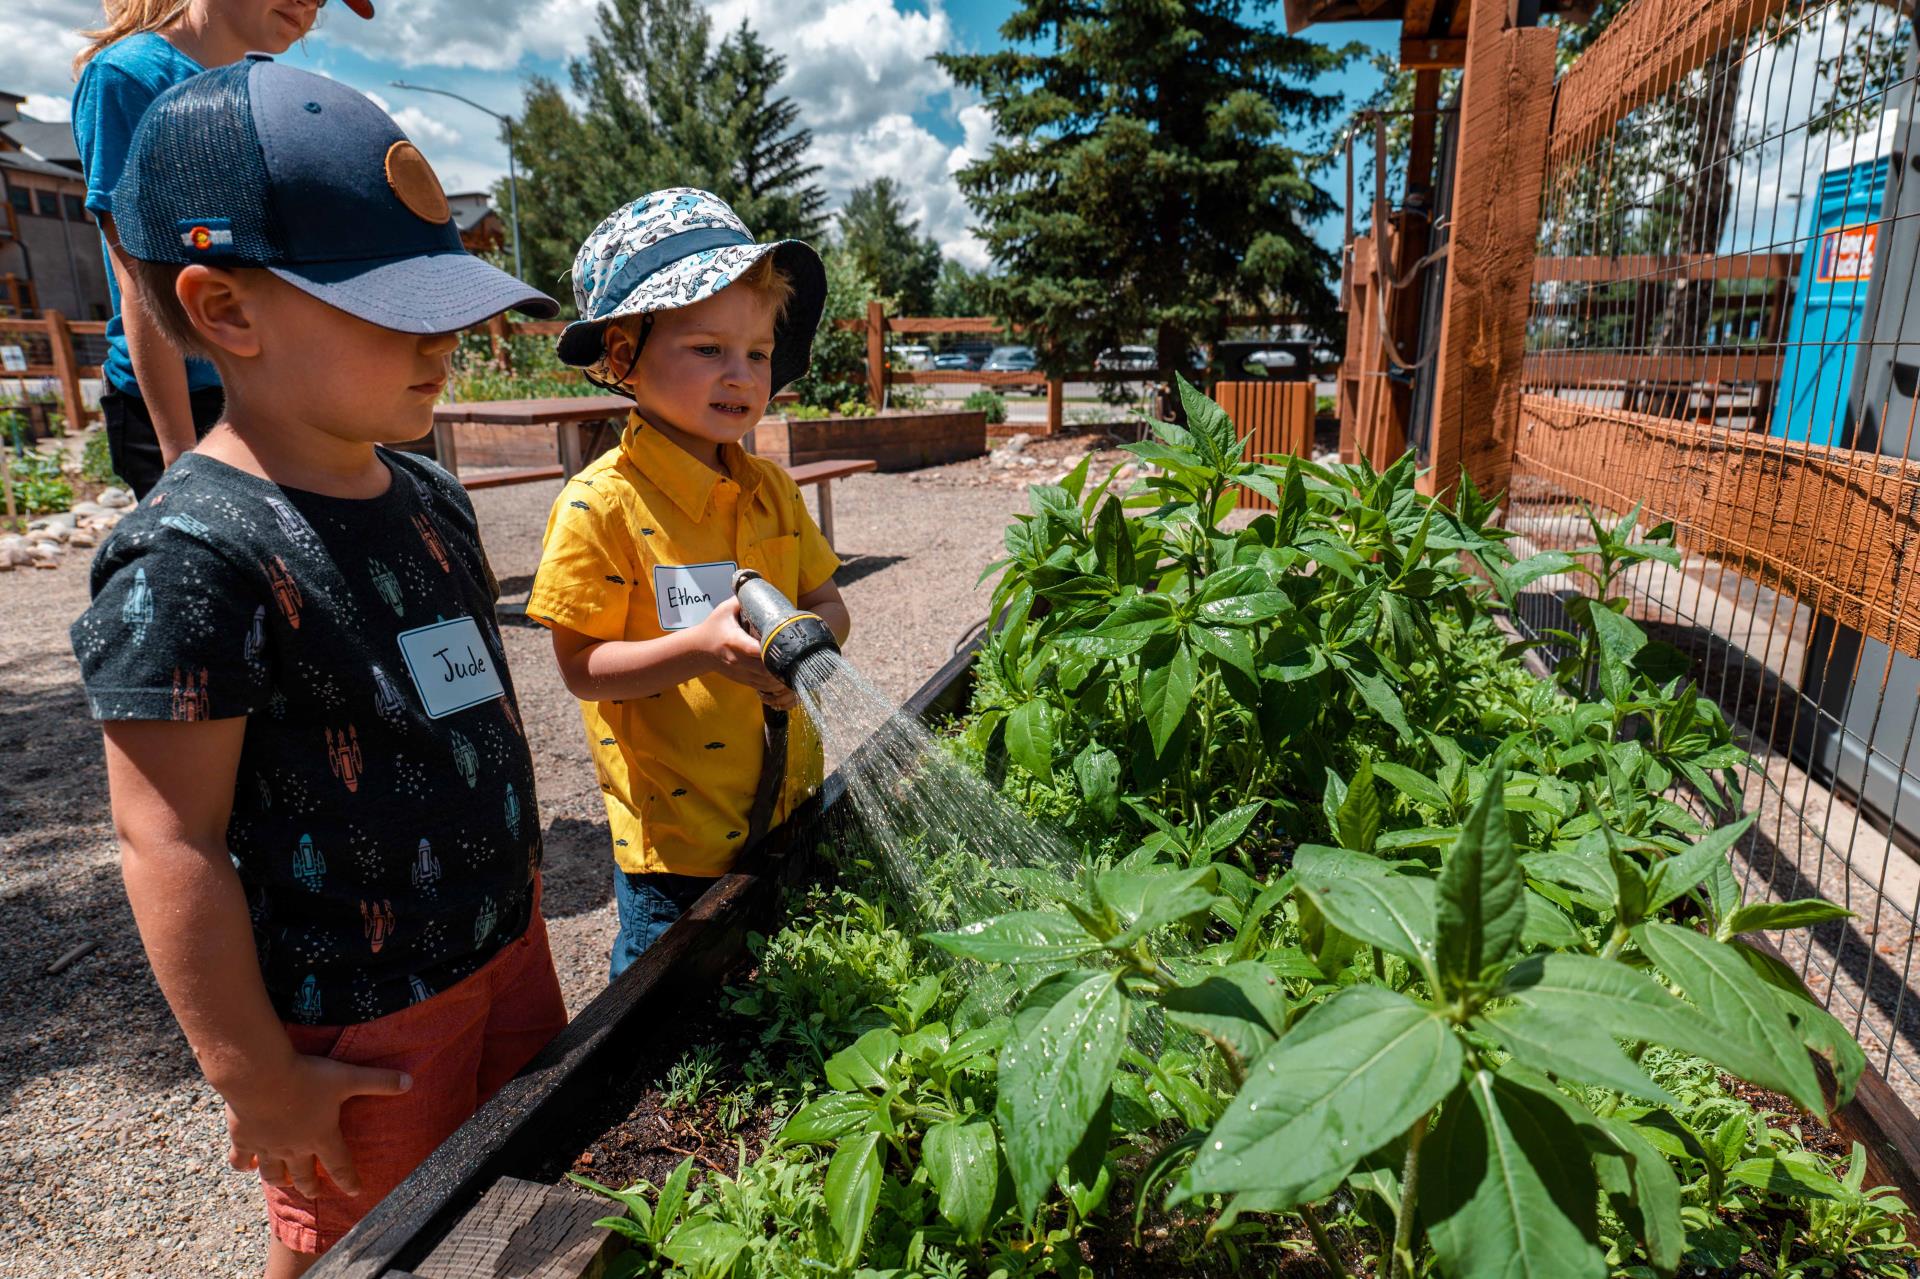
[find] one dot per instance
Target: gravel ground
(110, 1143)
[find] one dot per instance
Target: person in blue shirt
(156, 405)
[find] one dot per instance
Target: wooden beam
(1433, 53)
(1641, 267)
(1506, 107)
(1641, 55)
(527, 1230)
(1830, 527)
(1417, 20)
(877, 354)
(1590, 368)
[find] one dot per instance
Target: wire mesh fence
(1723, 332)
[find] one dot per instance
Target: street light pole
(513, 172)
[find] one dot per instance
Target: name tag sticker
(450, 665)
(685, 593)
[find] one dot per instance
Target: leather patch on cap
(413, 180)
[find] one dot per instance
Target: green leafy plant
(96, 462)
(992, 403)
(40, 487)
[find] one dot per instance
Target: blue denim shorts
(648, 905)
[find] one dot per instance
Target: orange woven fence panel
(1278, 414)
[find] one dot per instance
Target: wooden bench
(822, 475)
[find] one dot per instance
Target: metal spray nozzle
(786, 634)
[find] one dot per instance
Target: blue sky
(858, 68)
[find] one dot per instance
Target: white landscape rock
(118, 498)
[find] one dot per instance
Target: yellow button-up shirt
(641, 542)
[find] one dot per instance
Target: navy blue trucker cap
(263, 165)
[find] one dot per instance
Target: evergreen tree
(661, 106)
(1145, 180)
(960, 291)
(888, 247)
(770, 170)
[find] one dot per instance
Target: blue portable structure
(1835, 271)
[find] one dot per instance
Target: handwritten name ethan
(474, 665)
(678, 597)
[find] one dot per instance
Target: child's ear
(221, 308)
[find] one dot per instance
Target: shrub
(38, 484)
(992, 403)
(96, 461)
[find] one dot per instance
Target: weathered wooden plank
(1642, 54)
(1506, 105)
(1639, 267)
(1829, 527)
(1586, 368)
(524, 1230)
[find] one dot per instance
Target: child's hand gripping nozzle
(787, 635)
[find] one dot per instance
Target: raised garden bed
(898, 439)
(1292, 953)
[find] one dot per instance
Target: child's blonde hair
(128, 18)
(774, 286)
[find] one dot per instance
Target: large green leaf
(1644, 1192)
(705, 1246)
(1030, 737)
(1022, 937)
(827, 1119)
(1390, 911)
(1765, 917)
(1678, 875)
(1055, 1072)
(863, 1063)
(1620, 639)
(1097, 770)
(1350, 1076)
(1166, 695)
(1480, 905)
(1379, 695)
(1507, 1189)
(1414, 785)
(1558, 1043)
(963, 1159)
(852, 1190)
(1717, 979)
(1358, 817)
(1240, 1005)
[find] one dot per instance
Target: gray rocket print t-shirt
(384, 823)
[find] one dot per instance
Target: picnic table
(572, 417)
(568, 415)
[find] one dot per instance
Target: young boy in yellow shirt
(699, 325)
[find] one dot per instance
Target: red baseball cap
(362, 7)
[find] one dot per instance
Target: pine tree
(660, 107)
(1145, 179)
(774, 183)
(888, 246)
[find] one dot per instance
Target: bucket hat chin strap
(664, 253)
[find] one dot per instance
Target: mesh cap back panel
(195, 157)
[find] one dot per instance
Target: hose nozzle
(787, 635)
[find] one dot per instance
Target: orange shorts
(460, 1046)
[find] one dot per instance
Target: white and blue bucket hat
(680, 246)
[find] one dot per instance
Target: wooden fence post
(66, 369)
(877, 354)
(497, 333)
(1056, 405)
(1506, 112)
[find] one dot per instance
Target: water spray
(787, 635)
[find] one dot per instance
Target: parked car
(910, 356)
(1127, 359)
(954, 361)
(1015, 359)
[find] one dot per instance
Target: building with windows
(49, 242)
(481, 228)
